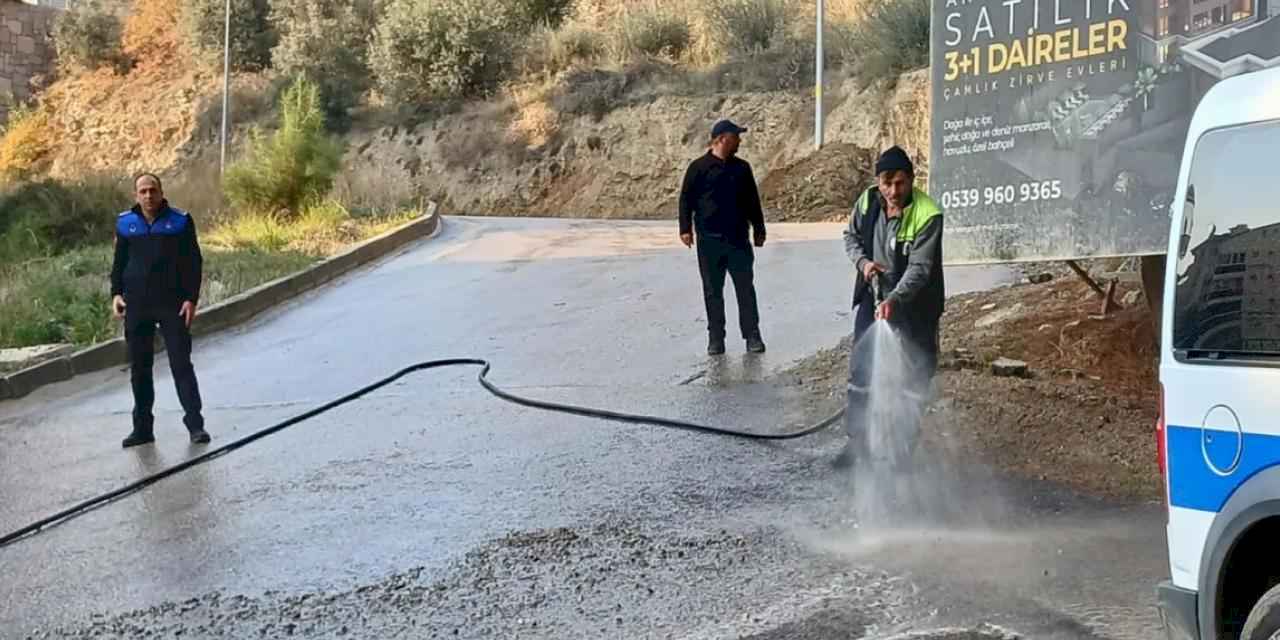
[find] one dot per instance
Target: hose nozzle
(879, 289)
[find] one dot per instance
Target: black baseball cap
(726, 126)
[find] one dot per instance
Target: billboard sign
(1058, 125)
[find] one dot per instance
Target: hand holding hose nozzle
(877, 286)
(880, 290)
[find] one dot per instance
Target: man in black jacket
(155, 280)
(719, 201)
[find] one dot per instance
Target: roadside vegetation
(544, 59)
(280, 216)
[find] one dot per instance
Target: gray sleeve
(853, 238)
(924, 254)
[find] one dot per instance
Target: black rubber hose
(101, 500)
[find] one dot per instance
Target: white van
(1219, 427)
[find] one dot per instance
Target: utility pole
(226, 89)
(817, 87)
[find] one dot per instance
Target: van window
(1230, 233)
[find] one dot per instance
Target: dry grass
(890, 39)
(321, 230)
(848, 11)
(366, 191)
(730, 45)
(536, 122)
(198, 189)
(151, 32)
(551, 51)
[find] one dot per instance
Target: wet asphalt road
(432, 509)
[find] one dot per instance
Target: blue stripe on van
(1193, 485)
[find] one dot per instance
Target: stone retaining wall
(26, 49)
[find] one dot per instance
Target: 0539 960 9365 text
(965, 198)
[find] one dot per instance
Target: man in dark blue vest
(155, 281)
(894, 241)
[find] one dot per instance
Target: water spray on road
(897, 481)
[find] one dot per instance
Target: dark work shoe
(715, 347)
(755, 344)
(199, 436)
(138, 438)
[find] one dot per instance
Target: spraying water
(897, 482)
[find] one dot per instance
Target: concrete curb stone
(230, 312)
(99, 356)
(48, 372)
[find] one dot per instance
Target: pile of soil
(820, 187)
(1083, 415)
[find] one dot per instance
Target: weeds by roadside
(320, 230)
(55, 237)
(63, 298)
(44, 218)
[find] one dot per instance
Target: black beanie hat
(894, 159)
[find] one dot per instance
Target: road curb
(48, 372)
(99, 356)
(228, 313)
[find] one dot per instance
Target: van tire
(1263, 622)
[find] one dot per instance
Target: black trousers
(716, 257)
(140, 332)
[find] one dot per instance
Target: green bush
(893, 39)
(252, 37)
(747, 26)
(88, 36)
(48, 217)
(541, 13)
(653, 31)
(435, 49)
(326, 41)
(294, 165)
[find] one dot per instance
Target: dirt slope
(628, 163)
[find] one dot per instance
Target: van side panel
(1255, 500)
(1197, 485)
(1186, 532)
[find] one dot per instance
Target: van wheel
(1263, 622)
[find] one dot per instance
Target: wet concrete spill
(632, 580)
(437, 511)
(552, 583)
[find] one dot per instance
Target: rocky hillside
(486, 159)
(628, 164)
(595, 117)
